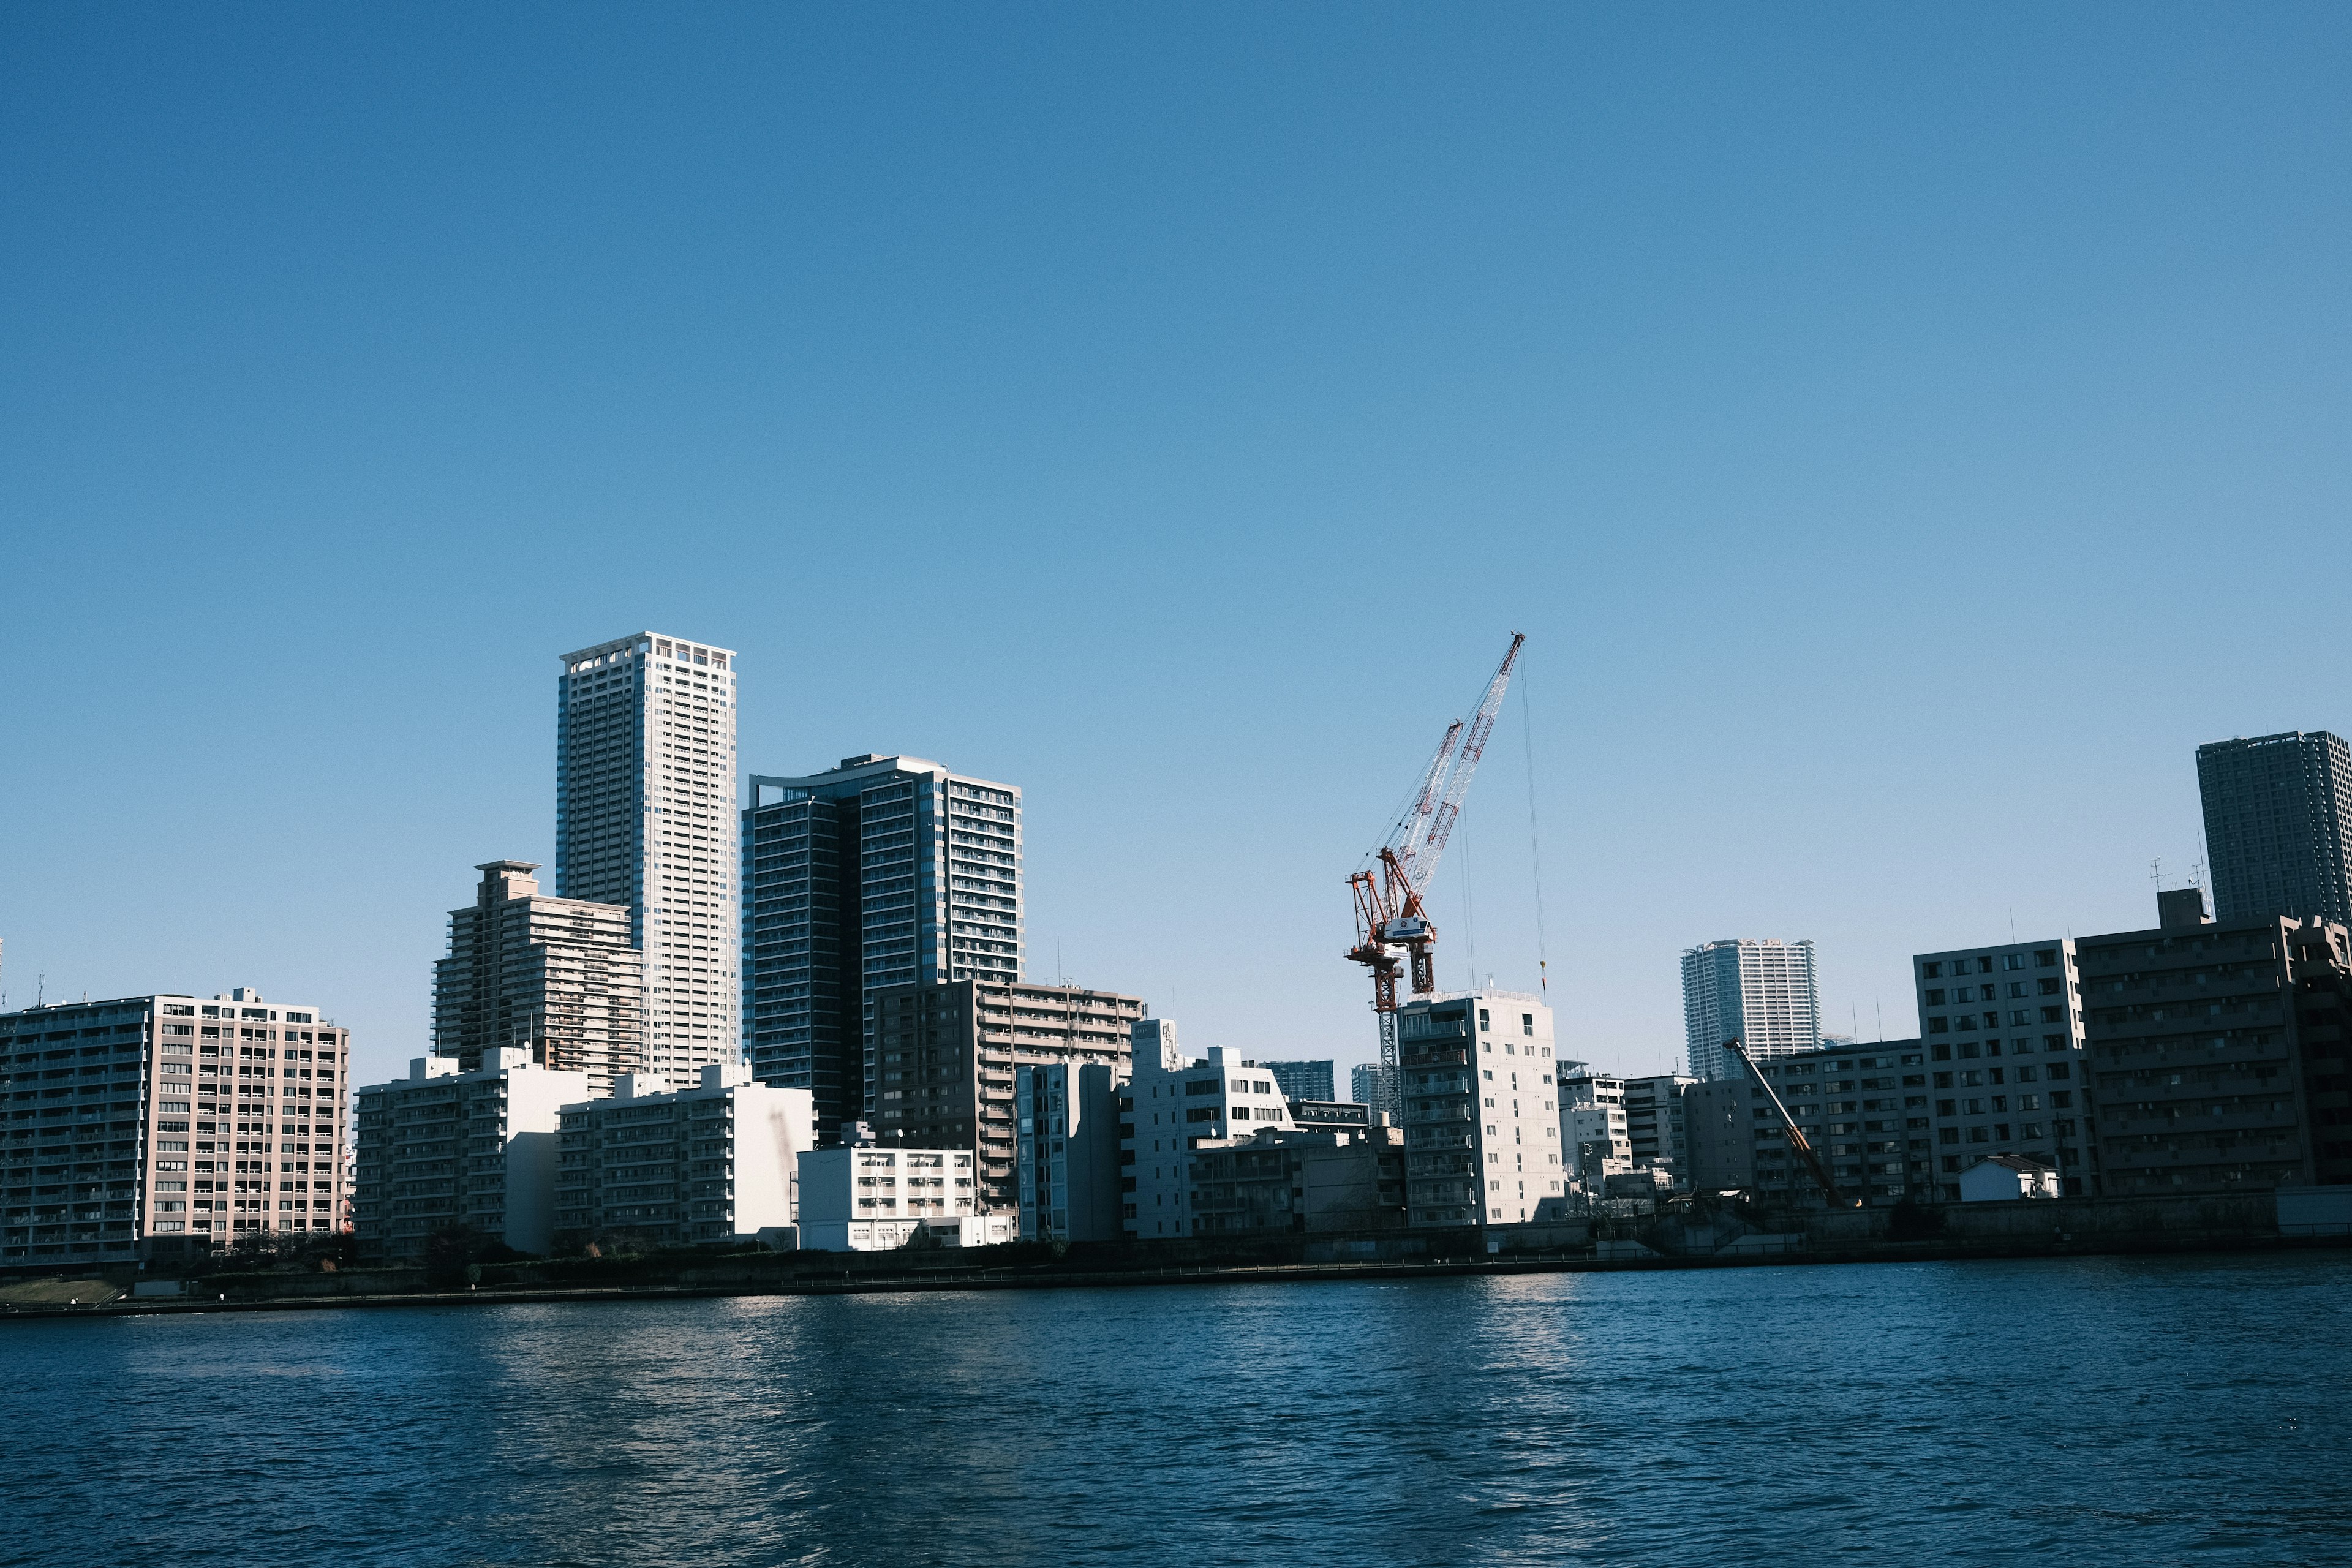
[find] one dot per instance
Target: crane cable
(1535, 841)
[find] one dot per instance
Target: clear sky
(1903, 433)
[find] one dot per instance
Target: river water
(2122, 1410)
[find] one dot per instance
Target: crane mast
(1388, 892)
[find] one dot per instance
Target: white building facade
(445, 1147)
(864, 1199)
(646, 816)
(1481, 1119)
(1217, 1100)
(1765, 994)
(715, 1161)
(1653, 1123)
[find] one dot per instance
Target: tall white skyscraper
(1765, 995)
(646, 816)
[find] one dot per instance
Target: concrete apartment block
(1284, 1182)
(1481, 1112)
(715, 1160)
(153, 1125)
(448, 1146)
(1171, 1112)
(556, 976)
(2217, 1052)
(1653, 1123)
(864, 1199)
(1765, 994)
(1595, 1140)
(1066, 1150)
(1863, 1107)
(2003, 1027)
(946, 1054)
(884, 872)
(645, 817)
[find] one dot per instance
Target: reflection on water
(2095, 1411)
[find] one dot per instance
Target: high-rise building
(1374, 1086)
(1481, 1110)
(162, 1123)
(445, 1147)
(1306, 1080)
(1765, 995)
(946, 1053)
(2217, 1051)
(557, 976)
(884, 872)
(2003, 1027)
(2278, 825)
(645, 817)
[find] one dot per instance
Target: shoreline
(251, 1295)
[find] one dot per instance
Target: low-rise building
(162, 1123)
(2217, 1051)
(1066, 1150)
(444, 1147)
(2004, 1178)
(868, 1199)
(1593, 1137)
(1280, 1182)
(1217, 1099)
(1481, 1117)
(710, 1162)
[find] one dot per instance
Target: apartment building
(2003, 1027)
(712, 1160)
(1316, 1081)
(1596, 1141)
(1765, 994)
(1653, 1123)
(1481, 1117)
(1169, 1112)
(645, 819)
(450, 1146)
(149, 1125)
(1864, 1109)
(1278, 1183)
(884, 872)
(556, 976)
(2217, 1051)
(2278, 825)
(1374, 1086)
(861, 1198)
(1066, 1150)
(947, 1054)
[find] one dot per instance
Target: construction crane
(1797, 1140)
(1387, 891)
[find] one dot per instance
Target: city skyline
(1678, 397)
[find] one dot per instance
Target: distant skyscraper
(1305, 1080)
(2278, 825)
(556, 975)
(645, 816)
(1763, 994)
(886, 870)
(1374, 1086)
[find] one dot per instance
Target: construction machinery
(1388, 890)
(1797, 1139)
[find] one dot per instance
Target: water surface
(2140, 1411)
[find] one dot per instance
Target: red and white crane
(1387, 891)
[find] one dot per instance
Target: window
(1932, 971)
(1484, 1025)
(2045, 958)
(1526, 1023)
(2013, 961)
(1936, 998)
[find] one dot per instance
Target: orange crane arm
(1797, 1140)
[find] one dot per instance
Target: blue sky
(1903, 433)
